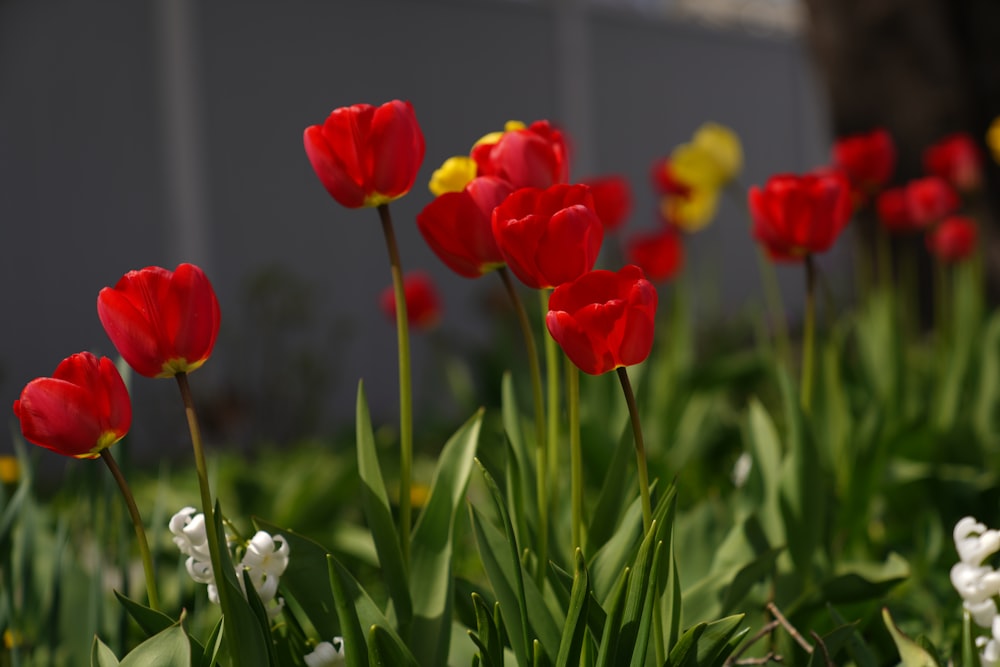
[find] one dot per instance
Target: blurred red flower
(548, 237)
(458, 226)
(953, 240)
(366, 155)
(604, 320)
(534, 156)
(660, 254)
(423, 305)
(867, 159)
(958, 159)
(930, 199)
(893, 211)
(162, 322)
(795, 215)
(79, 411)
(612, 200)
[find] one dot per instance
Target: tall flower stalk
(140, 531)
(405, 383)
(808, 336)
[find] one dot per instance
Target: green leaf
(855, 582)
(247, 640)
(375, 501)
(345, 592)
(575, 628)
(638, 588)
(520, 474)
(431, 581)
(685, 652)
(150, 620)
(802, 486)
(257, 607)
(169, 648)
(766, 446)
(970, 655)
(832, 641)
(860, 653)
(487, 636)
(648, 608)
(101, 655)
(910, 653)
(388, 651)
(707, 644)
(613, 498)
(612, 626)
(213, 646)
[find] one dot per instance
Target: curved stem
(405, 384)
(575, 453)
(207, 506)
(640, 448)
(808, 335)
(536, 390)
(140, 532)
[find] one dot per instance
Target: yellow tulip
(453, 175)
(494, 137)
(691, 213)
(723, 145)
(10, 469)
(993, 138)
(696, 166)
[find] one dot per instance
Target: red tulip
(423, 307)
(535, 156)
(604, 320)
(459, 229)
(548, 237)
(660, 254)
(953, 240)
(797, 215)
(162, 322)
(366, 155)
(79, 411)
(893, 210)
(930, 199)
(957, 159)
(612, 200)
(867, 159)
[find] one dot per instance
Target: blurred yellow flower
(723, 145)
(696, 166)
(691, 213)
(10, 470)
(993, 138)
(453, 175)
(419, 494)
(12, 639)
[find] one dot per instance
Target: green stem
(206, 495)
(640, 448)
(535, 371)
(808, 335)
(575, 453)
(405, 385)
(140, 532)
(553, 358)
(775, 306)
(884, 249)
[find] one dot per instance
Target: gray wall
(152, 133)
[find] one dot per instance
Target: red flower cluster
(916, 205)
(366, 155)
(659, 253)
(162, 323)
(794, 216)
(604, 320)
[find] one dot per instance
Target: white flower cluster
(327, 654)
(979, 584)
(264, 558)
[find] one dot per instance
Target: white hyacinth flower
(265, 562)
(327, 654)
(974, 541)
(190, 536)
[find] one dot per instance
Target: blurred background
(167, 131)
